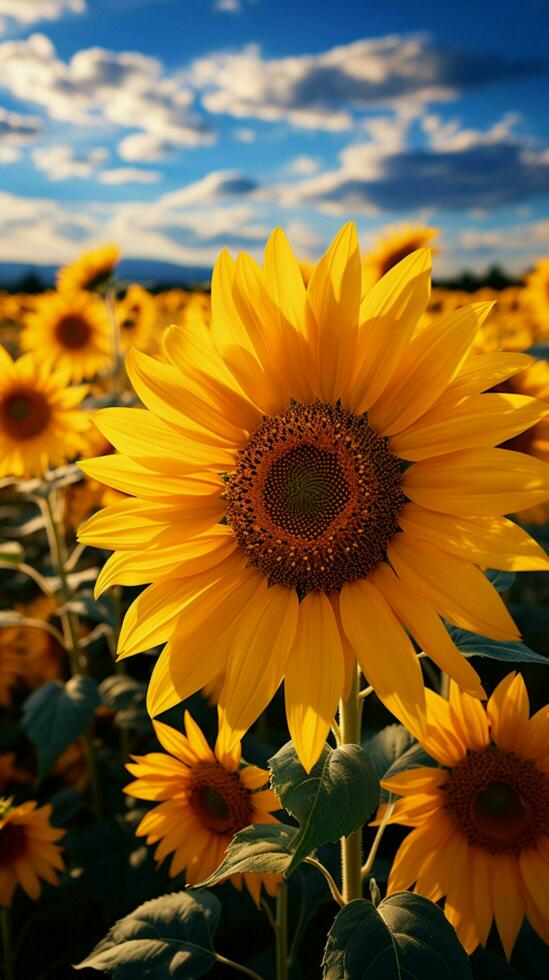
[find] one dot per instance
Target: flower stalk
(350, 714)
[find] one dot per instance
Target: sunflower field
(273, 621)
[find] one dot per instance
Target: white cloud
(216, 186)
(303, 166)
(27, 12)
(98, 86)
(244, 134)
(62, 163)
(228, 6)
(9, 154)
(144, 148)
(15, 131)
(129, 175)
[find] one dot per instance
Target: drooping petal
(257, 660)
(427, 628)
(507, 899)
(384, 652)
(314, 677)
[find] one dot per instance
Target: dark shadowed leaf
(171, 936)
(501, 580)
(262, 847)
(472, 645)
(336, 797)
(406, 936)
(393, 750)
(56, 714)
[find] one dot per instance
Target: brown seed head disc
(24, 412)
(73, 331)
(219, 800)
(315, 498)
(499, 801)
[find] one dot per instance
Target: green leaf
(262, 847)
(472, 645)
(336, 797)
(56, 714)
(500, 580)
(393, 750)
(120, 691)
(405, 936)
(167, 937)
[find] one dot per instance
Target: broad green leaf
(120, 691)
(472, 645)
(262, 847)
(406, 936)
(169, 937)
(83, 604)
(394, 750)
(336, 797)
(56, 714)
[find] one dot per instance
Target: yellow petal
(134, 524)
(478, 482)
(257, 660)
(428, 630)
(456, 589)
(314, 677)
(492, 542)
(283, 279)
(333, 295)
(158, 446)
(388, 315)
(534, 871)
(201, 641)
(429, 364)
(508, 711)
(469, 718)
(180, 560)
(483, 371)
(384, 652)
(483, 420)
(424, 779)
(127, 475)
(507, 899)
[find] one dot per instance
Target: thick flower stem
(282, 932)
(7, 948)
(350, 713)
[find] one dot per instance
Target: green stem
(237, 966)
(350, 713)
(7, 949)
(369, 863)
(57, 551)
(70, 629)
(334, 890)
(282, 932)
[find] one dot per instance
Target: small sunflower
(28, 849)
(481, 823)
(206, 797)
(91, 271)
(41, 424)
(71, 331)
(391, 248)
(137, 316)
(533, 381)
(536, 298)
(312, 482)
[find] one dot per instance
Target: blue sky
(178, 126)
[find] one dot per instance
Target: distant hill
(26, 276)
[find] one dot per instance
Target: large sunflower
(481, 823)
(28, 849)
(41, 424)
(204, 798)
(391, 248)
(275, 513)
(72, 331)
(92, 270)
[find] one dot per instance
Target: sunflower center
(499, 801)
(73, 331)
(315, 498)
(396, 256)
(24, 413)
(12, 843)
(219, 800)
